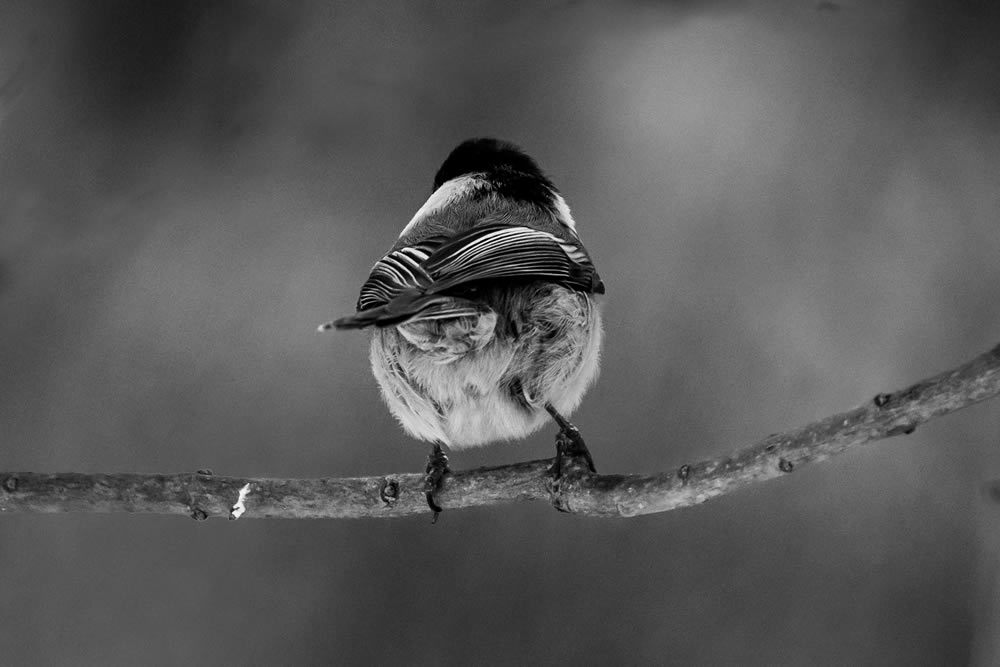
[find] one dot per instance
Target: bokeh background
(793, 205)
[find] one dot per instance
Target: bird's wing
(416, 277)
(499, 251)
(399, 271)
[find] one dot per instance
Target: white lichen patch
(240, 507)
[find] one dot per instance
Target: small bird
(484, 311)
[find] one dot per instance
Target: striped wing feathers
(412, 279)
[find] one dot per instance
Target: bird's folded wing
(399, 271)
(414, 278)
(504, 252)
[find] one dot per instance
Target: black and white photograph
(500, 333)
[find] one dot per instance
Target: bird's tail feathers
(407, 307)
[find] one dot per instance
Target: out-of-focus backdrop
(794, 206)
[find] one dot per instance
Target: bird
(485, 312)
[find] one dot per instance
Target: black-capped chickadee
(483, 310)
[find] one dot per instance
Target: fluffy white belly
(482, 382)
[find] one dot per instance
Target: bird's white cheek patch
(562, 212)
(449, 192)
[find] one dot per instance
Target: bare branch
(202, 494)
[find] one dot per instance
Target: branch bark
(202, 494)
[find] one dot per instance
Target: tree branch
(202, 494)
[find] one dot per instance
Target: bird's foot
(437, 468)
(569, 443)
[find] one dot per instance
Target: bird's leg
(569, 442)
(437, 468)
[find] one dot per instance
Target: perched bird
(484, 313)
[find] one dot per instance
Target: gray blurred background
(793, 205)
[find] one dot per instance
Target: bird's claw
(569, 443)
(437, 468)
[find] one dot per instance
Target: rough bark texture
(202, 495)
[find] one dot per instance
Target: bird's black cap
(490, 157)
